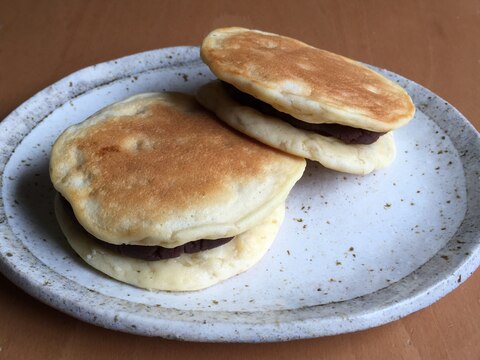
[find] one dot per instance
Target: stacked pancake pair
(302, 100)
(156, 192)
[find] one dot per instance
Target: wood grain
(435, 43)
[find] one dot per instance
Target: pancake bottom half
(330, 152)
(186, 273)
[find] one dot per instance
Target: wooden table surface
(435, 43)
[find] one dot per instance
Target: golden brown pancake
(311, 84)
(157, 169)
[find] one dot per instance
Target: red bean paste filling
(152, 253)
(346, 134)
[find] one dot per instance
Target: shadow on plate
(34, 202)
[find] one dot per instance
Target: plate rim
(283, 324)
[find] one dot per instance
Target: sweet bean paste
(152, 253)
(347, 134)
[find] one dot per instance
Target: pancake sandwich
(156, 192)
(303, 100)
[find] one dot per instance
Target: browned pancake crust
(260, 63)
(170, 157)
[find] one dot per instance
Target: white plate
(354, 252)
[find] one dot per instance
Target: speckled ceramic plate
(354, 252)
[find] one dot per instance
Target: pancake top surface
(313, 85)
(156, 169)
